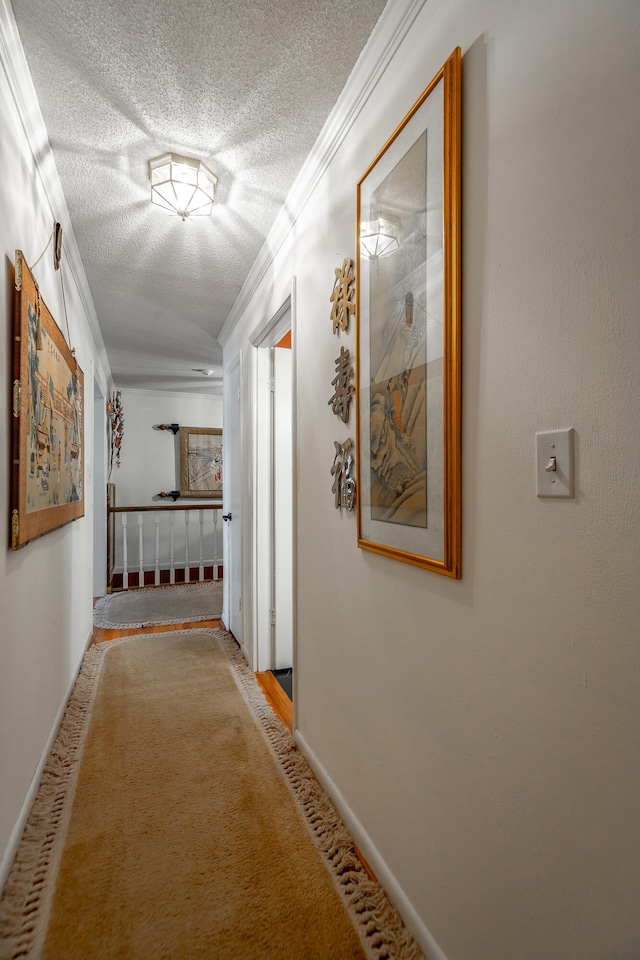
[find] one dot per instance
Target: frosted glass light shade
(378, 238)
(182, 185)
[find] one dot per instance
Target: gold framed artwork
(201, 462)
(408, 322)
(47, 479)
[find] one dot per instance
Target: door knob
(226, 516)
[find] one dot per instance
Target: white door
(233, 502)
(282, 509)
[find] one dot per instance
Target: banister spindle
(156, 518)
(216, 556)
(140, 551)
(172, 561)
(125, 554)
(201, 518)
(187, 576)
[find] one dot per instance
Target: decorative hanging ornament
(116, 422)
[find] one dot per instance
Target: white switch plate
(558, 444)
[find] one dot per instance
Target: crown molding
(395, 22)
(25, 99)
(181, 394)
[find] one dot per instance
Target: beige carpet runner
(180, 603)
(176, 819)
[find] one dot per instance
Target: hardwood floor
(277, 698)
(101, 634)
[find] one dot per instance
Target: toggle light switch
(554, 463)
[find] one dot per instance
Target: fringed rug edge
(27, 894)
(25, 900)
(378, 924)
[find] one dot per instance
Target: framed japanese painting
(201, 462)
(408, 319)
(47, 478)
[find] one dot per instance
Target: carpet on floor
(176, 818)
(179, 603)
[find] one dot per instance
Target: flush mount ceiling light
(182, 185)
(205, 373)
(378, 238)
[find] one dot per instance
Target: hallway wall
(150, 460)
(46, 587)
(481, 736)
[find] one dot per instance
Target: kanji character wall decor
(342, 305)
(342, 471)
(343, 386)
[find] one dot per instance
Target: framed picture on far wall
(408, 319)
(201, 462)
(47, 473)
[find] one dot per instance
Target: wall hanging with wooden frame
(408, 272)
(47, 475)
(201, 462)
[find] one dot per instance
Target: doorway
(282, 515)
(99, 492)
(233, 614)
(274, 486)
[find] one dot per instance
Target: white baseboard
(387, 880)
(16, 833)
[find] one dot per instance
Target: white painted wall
(481, 736)
(45, 588)
(150, 459)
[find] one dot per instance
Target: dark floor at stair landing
(285, 679)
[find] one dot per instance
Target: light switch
(554, 463)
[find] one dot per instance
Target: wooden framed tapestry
(47, 474)
(201, 462)
(408, 317)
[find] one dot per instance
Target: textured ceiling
(246, 86)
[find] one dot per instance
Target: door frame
(281, 479)
(263, 339)
(237, 483)
(100, 572)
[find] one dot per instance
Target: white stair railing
(160, 540)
